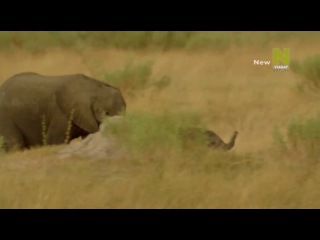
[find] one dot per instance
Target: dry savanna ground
(224, 88)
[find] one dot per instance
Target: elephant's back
(37, 84)
(31, 81)
(29, 87)
(28, 80)
(26, 88)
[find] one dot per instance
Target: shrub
(309, 71)
(147, 133)
(303, 138)
(134, 77)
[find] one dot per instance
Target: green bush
(309, 71)
(158, 138)
(134, 77)
(303, 137)
(211, 40)
(147, 133)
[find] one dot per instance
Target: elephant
(211, 138)
(37, 109)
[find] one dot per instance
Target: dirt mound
(97, 145)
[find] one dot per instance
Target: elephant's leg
(57, 130)
(13, 138)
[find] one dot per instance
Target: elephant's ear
(76, 105)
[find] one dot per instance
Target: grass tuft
(69, 126)
(44, 130)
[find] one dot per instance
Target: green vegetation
(152, 166)
(147, 133)
(158, 140)
(37, 41)
(133, 77)
(303, 138)
(279, 139)
(2, 142)
(309, 70)
(69, 125)
(44, 130)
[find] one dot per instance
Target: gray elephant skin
(34, 107)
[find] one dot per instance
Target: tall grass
(36, 41)
(309, 72)
(69, 126)
(279, 140)
(156, 170)
(147, 133)
(2, 144)
(44, 130)
(136, 76)
(302, 138)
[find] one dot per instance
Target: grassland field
(222, 87)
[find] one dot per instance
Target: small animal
(211, 138)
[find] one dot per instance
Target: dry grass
(226, 89)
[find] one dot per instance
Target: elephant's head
(103, 106)
(90, 103)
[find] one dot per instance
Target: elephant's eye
(107, 113)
